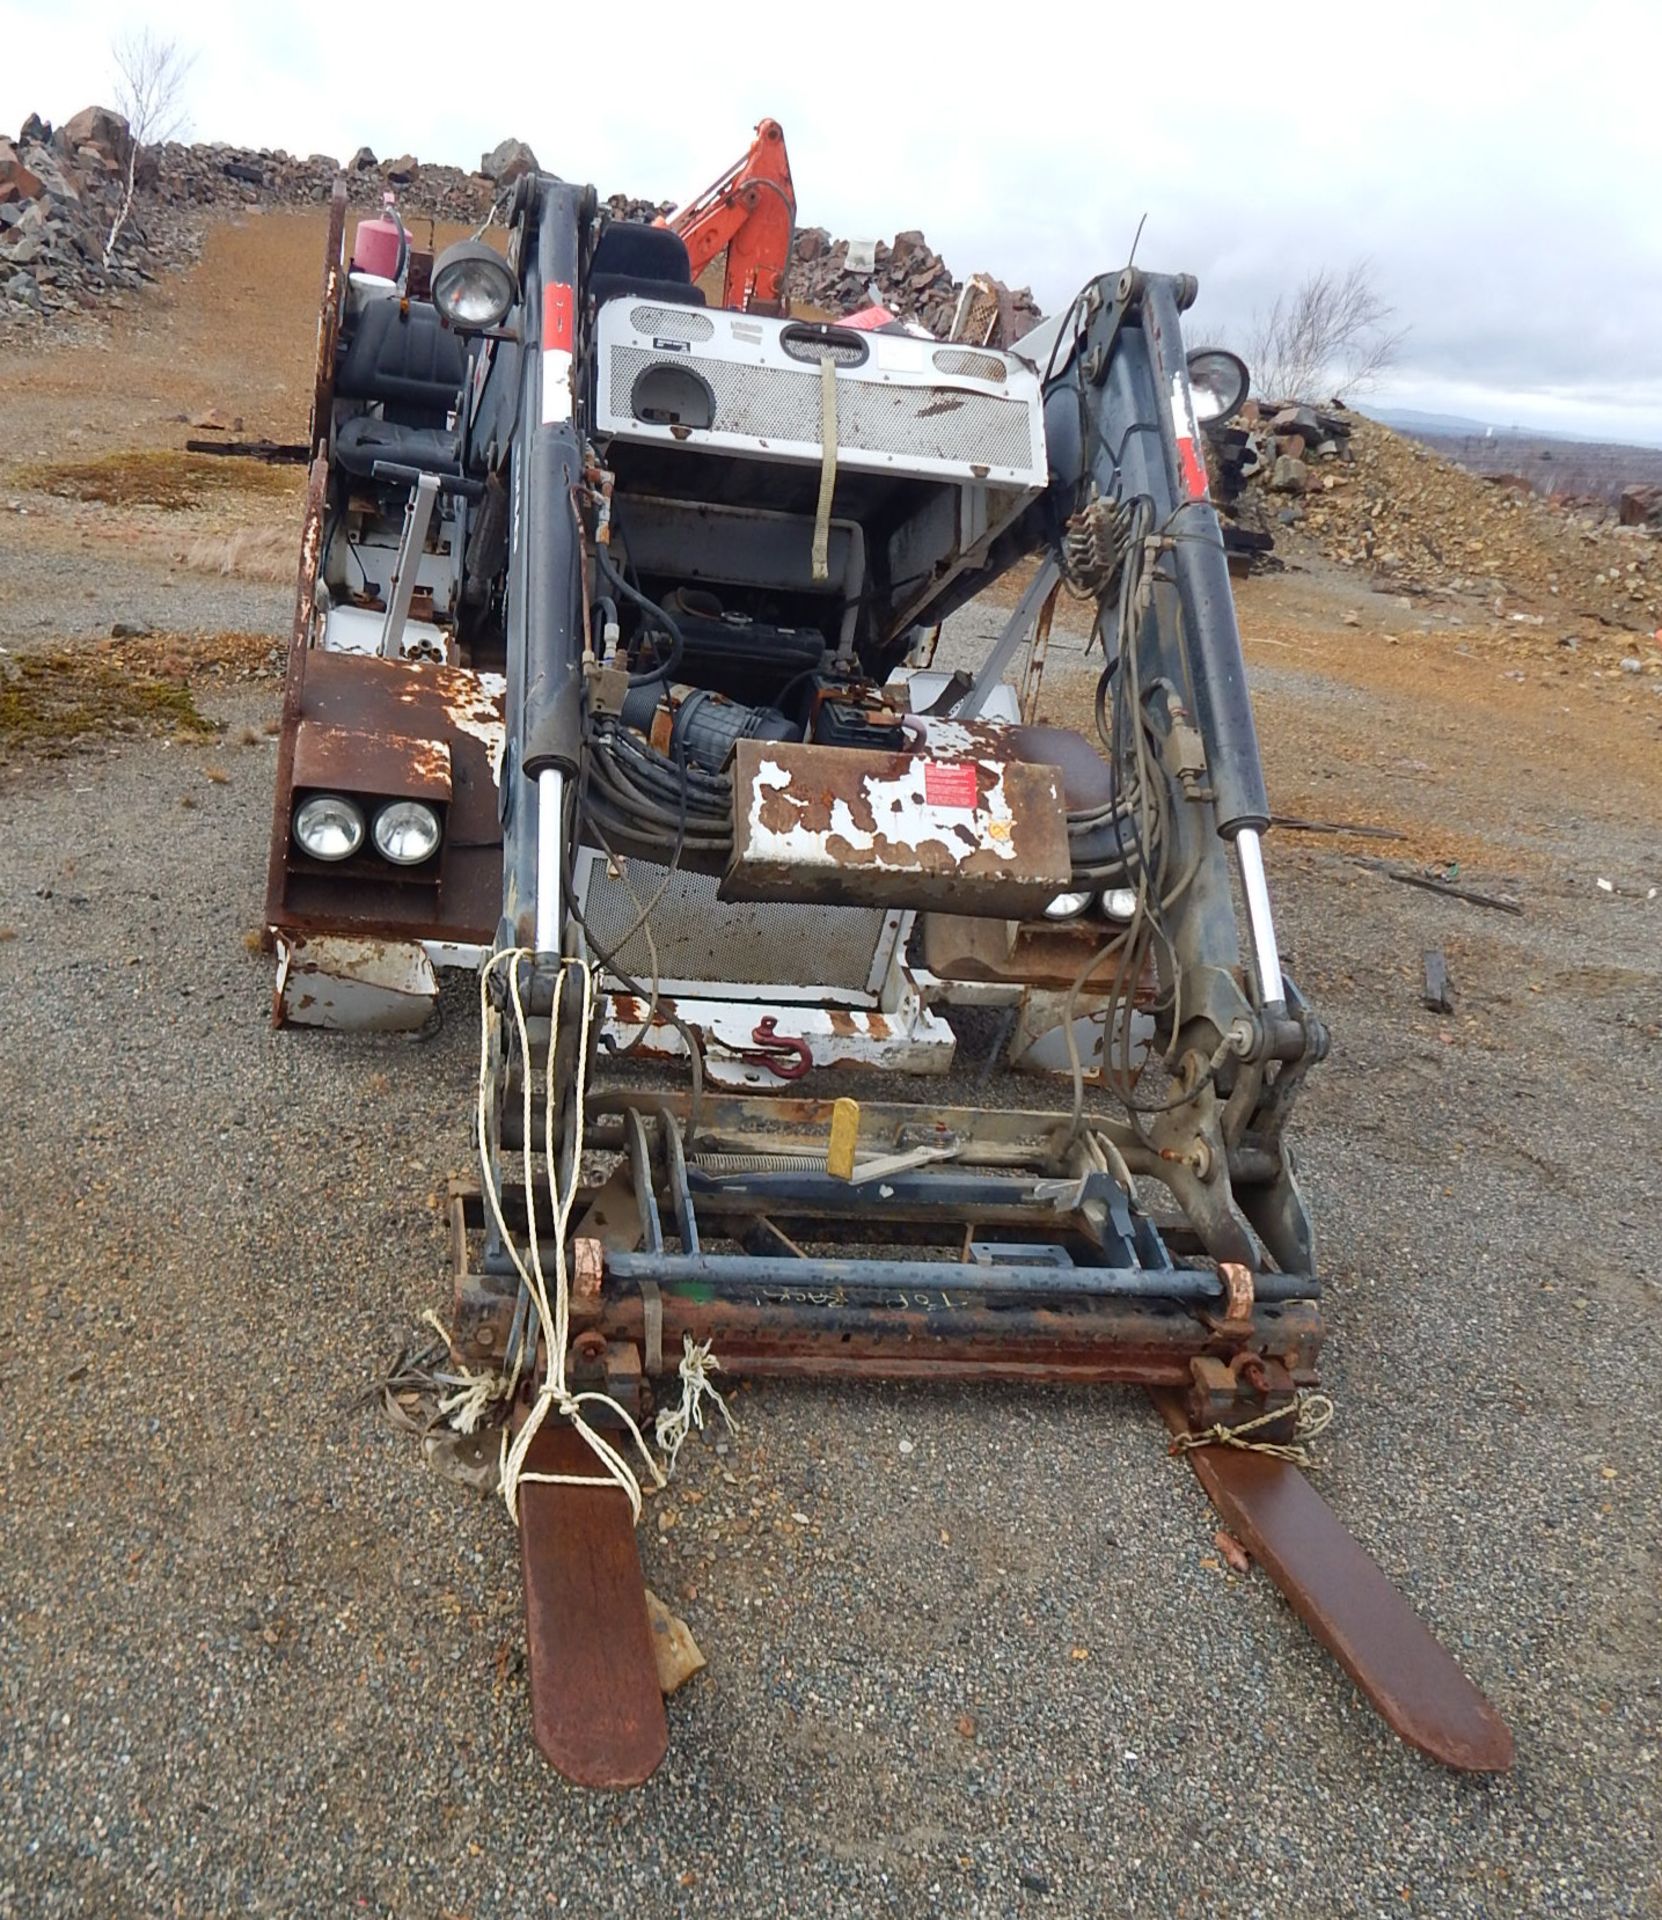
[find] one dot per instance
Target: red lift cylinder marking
(557, 324)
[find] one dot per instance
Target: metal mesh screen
(751, 943)
(803, 346)
(977, 366)
(768, 403)
(672, 323)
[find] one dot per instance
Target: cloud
(1493, 161)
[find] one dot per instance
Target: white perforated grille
(771, 403)
(976, 366)
(672, 323)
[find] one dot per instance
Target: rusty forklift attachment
(596, 1708)
(597, 707)
(1347, 1603)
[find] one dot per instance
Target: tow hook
(782, 1055)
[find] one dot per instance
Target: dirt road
(971, 1653)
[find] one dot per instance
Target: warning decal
(950, 785)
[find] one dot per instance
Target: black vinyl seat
(401, 358)
(362, 440)
(631, 257)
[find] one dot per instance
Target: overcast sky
(1499, 164)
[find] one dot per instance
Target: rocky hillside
(62, 190)
(1415, 522)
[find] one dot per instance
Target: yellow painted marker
(845, 1130)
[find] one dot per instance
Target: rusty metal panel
(761, 1044)
(394, 705)
(837, 826)
(353, 985)
(294, 681)
(1044, 953)
(330, 303)
(346, 760)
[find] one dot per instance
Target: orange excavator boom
(750, 212)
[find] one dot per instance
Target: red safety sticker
(556, 317)
(949, 785)
(1194, 469)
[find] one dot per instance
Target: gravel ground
(971, 1652)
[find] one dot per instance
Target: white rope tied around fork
(675, 1423)
(1312, 1415)
(476, 1393)
(553, 1309)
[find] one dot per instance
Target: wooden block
(845, 1131)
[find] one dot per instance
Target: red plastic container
(376, 246)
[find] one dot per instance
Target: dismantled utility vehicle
(614, 678)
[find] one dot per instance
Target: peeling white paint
(917, 1042)
(483, 720)
(949, 738)
(909, 820)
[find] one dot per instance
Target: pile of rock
(621, 206)
(1368, 498)
(1291, 438)
(61, 190)
(214, 174)
(1264, 453)
(909, 278)
(60, 193)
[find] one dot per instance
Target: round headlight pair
(330, 826)
(473, 286)
(1118, 903)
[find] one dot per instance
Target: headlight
(328, 826)
(1218, 381)
(1067, 906)
(406, 832)
(1119, 903)
(473, 286)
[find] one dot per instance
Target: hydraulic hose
(677, 646)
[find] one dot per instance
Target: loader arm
(1129, 478)
(750, 213)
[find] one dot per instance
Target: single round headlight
(1119, 903)
(1067, 906)
(406, 832)
(328, 826)
(473, 286)
(1218, 381)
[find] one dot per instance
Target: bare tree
(1332, 334)
(150, 76)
